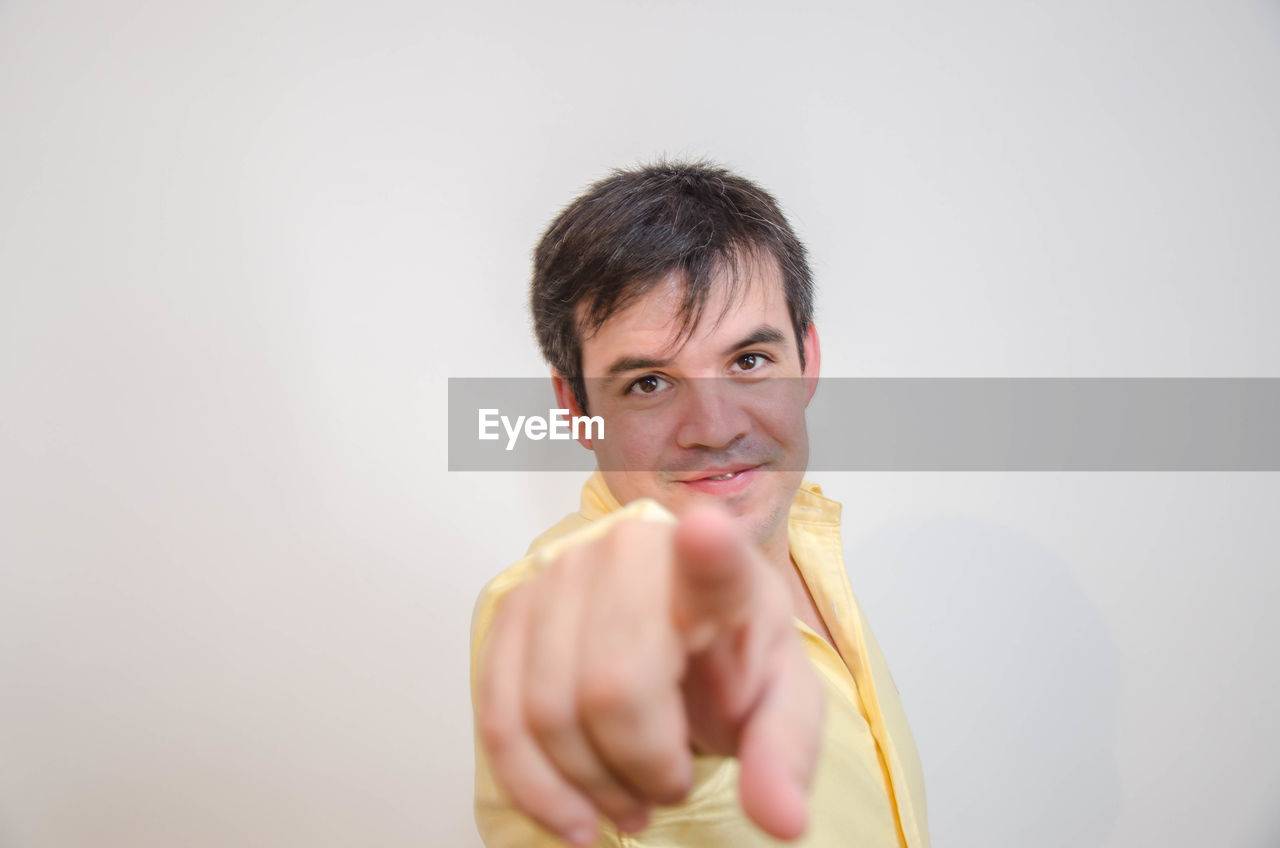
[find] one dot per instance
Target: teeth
(728, 476)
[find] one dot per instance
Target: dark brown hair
(634, 228)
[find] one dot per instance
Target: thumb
(779, 749)
(717, 575)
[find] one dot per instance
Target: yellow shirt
(868, 790)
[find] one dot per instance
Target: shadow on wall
(1008, 675)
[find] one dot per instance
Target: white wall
(243, 245)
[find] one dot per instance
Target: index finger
(717, 575)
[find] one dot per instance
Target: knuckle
(512, 604)
(669, 778)
(551, 809)
(606, 795)
(548, 715)
(558, 570)
(624, 531)
(631, 535)
(609, 691)
(610, 798)
(496, 734)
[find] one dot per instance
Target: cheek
(782, 420)
(634, 442)
(778, 406)
(791, 430)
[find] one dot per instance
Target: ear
(565, 399)
(812, 362)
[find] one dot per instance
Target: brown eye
(647, 385)
(747, 361)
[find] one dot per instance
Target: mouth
(726, 481)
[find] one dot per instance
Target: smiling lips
(723, 482)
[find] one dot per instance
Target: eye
(751, 361)
(649, 384)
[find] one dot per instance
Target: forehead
(739, 301)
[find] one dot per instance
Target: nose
(711, 418)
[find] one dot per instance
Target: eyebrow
(624, 364)
(764, 334)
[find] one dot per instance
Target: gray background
(243, 245)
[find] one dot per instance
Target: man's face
(719, 415)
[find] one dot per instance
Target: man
(682, 661)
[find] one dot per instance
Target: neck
(777, 549)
